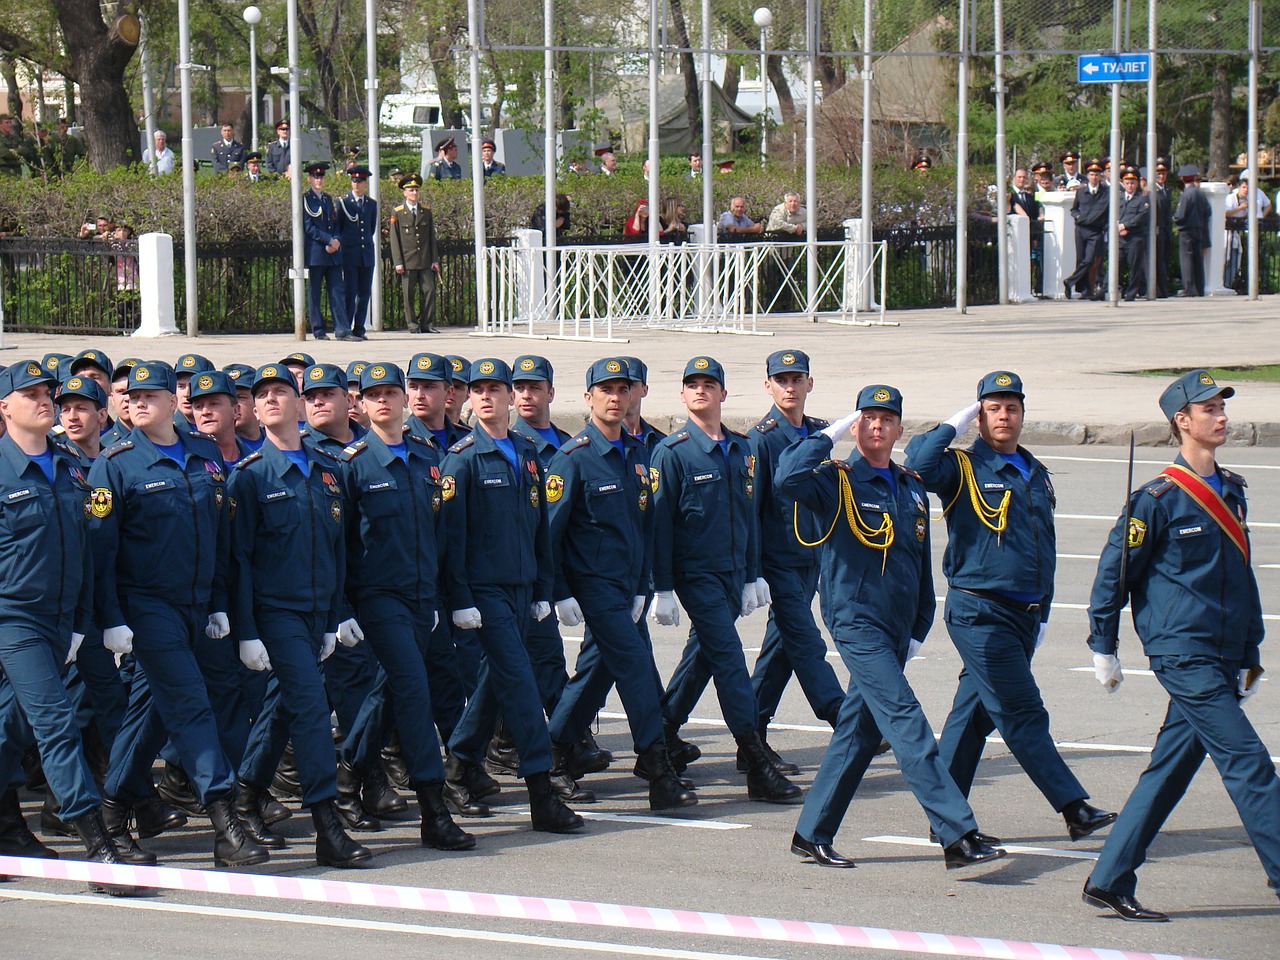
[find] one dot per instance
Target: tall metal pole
(375, 156)
(1002, 165)
(474, 36)
(1153, 150)
(188, 172)
(763, 18)
(708, 214)
(1113, 185)
(813, 10)
(864, 302)
(655, 147)
(1254, 53)
(549, 148)
(253, 16)
(148, 101)
(962, 164)
(299, 272)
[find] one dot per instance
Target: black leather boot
(562, 783)
(16, 839)
(152, 816)
(349, 806)
(457, 796)
(99, 848)
(546, 810)
(666, 791)
(285, 782)
(785, 767)
(380, 798)
(116, 817)
(642, 771)
(255, 828)
(175, 790)
(501, 757)
(394, 766)
(52, 825)
(271, 810)
(681, 752)
(438, 828)
(232, 847)
(764, 782)
(333, 847)
(586, 756)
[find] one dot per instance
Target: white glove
(119, 640)
(540, 610)
(328, 644)
(253, 654)
(218, 626)
(78, 638)
(637, 609)
(837, 430)
(665, 610)
(568, 612)
(1040, 634)
(1243, 687)
(763, 596)
(913, 648)
(468, 619)
(349, 632)
(1106, 667)
(748, 600)
(962, 420)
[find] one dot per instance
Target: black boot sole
(1079, 833)
(786, 800)
(467, 844)
(363, 860)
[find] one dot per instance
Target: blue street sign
(1117, 68)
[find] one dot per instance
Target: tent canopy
(627, 110)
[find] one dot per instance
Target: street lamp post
(764, 20)
(253, 16)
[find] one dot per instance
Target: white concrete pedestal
(1215, 258)
(155, 285)
(1059, 240)
(1018, 261)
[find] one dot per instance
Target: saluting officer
(357, 214)
(289, 554)
(598, 496)
(415, 257)
(498, 576)
(324, 256)
(1000, 561)
(1198, 613)
(706, 550)
(160, 532)
(877, 601)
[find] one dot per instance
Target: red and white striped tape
(467, 903)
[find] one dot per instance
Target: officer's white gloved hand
(328, 644)
(1040, 634)
(962, 420)
(76, 640)
(568, 612)
(218, 626)
(253, 654)
(540, 610)
(119, 640)
(840, 428)
(748, 600)
(468, 619)
(763, 596)
(637, 609)
(913, 647)
(1243, 687)
(349, 632)
(665, 610)
(1106, 667)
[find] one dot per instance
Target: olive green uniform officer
(415, 257)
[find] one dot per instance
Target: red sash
(1212, 504)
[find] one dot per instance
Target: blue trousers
(35, 709)
(330, 276)
(295, 706)
(625, 656)
(881, 702)
(793, 643)
(96, 688)
(1204, 715)
(712, 601)
(398, 633)
(349, 677)
(358, 283)
(998, 692)
(168, 700)
(506, 684)
(546, 656)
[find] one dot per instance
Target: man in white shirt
(164, 157)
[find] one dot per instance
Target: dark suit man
(413, 252)
(358, 231)
(1162, 203)
(1192, 218)
(324, 259)
(1090, 211)
(278, 153)
(1134, 216)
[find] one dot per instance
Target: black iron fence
(69, 286)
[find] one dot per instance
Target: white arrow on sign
(1091, 68)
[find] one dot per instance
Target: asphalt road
(731, 856)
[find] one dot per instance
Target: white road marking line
(1007, 847)
(648, 821)
(381, 926)
(1156, 463)
(1127, 672)
(1112, 518)
(1077, 556)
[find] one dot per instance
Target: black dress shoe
(1083, 819)
(990, 841)
(1125, 906)
(823, 854)
(969, 850)
(1066, 288)
(321, 336)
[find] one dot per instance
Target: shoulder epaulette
(399, 209)
(324, 452)
(764, 426)
(1232, 476)
(118, 447)
(462, 444)
(1159, 486)
(58, 430)
(818, 422)
(350, 451)
(577, 443)
(417, 439)
(675, 438)
(735, 433)
(911, 473)
(256, 455)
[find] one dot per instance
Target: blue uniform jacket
(598, 505)
(44, 545)
(546, 449)
(649, 435)
(1022, 559)
(288, 547)
(357, 230)
(779, 548)
(452, 432)
(393, 531)
(157, 528)
(1191, 590)
(326, 444)
(320, 225)
(495, 519)
(864, 590)
(705, 518)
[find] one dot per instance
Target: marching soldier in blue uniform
(1197, 611)
(188, 365)
(358, 221)
(324, 256)
(877, 601)
(160, 531)
(706, 550)
(430, 380)
(1000, 561)
(288, 552)
(45, 612)
(119, 395)
(498, 575)
(599, 498)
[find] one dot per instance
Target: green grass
(1266, 372)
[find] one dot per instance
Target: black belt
(1001, 599)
